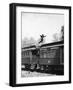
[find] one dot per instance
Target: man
(42, 38)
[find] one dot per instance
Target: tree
(55, 37)
(59, 36)
(28, 42)
(62, 32)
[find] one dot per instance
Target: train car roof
(45, 45)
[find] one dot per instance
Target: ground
(33, 74)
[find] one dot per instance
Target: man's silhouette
(42, 38)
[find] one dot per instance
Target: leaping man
(42, 38)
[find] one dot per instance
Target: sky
(35, 24)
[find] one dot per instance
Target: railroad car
(48, 58)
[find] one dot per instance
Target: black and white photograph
(40, 40)
(42, 44)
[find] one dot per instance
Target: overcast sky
(35, 24)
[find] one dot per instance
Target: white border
(19, 79)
